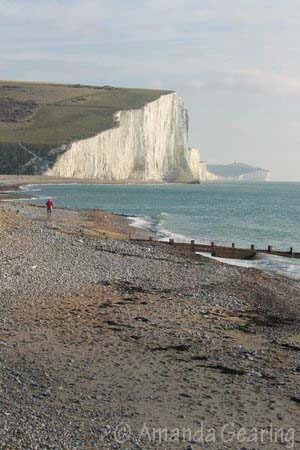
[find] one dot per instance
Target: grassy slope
(64, 113)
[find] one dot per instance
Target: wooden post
(171, 241)
(192, 245)
(213, 250)
(252, 247)
(291, 251)
(269, 248)
(233, 245)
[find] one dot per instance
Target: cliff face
(147, 144)
(257, 175)
(212, 177)
(197, 167)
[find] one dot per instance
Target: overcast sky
(236, 63)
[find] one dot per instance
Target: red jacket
(50, 204)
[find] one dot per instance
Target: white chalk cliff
(147, 144)
(197, 167)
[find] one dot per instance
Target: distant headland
(237, 172)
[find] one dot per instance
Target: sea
(262, 213)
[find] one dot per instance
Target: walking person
(49, 206)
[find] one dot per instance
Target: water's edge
(270, 264)
(159, 223)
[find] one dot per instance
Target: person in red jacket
(49, 206)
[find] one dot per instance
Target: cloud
(256, 81)
(48, 57)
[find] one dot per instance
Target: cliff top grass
(44, 114)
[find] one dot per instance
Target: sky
(236, 63)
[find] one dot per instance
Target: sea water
(262, 214)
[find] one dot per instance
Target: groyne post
(192, 245)
(233, 245)
(213, 250)
(291, 251)
(269, 248)
(252, 247)
(171, 241)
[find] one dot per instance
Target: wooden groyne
(222, 251)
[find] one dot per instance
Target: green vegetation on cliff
(37, 118)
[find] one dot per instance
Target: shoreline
(288, 267)
(98, 330)
(15, 180)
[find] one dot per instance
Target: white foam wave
(141, 222)
(165, 235)
(38, 187)
(34, 198)
(35, 190)
(271, 264)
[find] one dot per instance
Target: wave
(161, 222)
(141, 222)
(34, 198)
(35, 187)
(271, 264)
(34, 190)
(30, 187)
(165, 235)
(156, 224)
(163, 213)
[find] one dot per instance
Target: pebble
(50, 260)
(37, 260)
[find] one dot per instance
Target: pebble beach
(105, 338)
